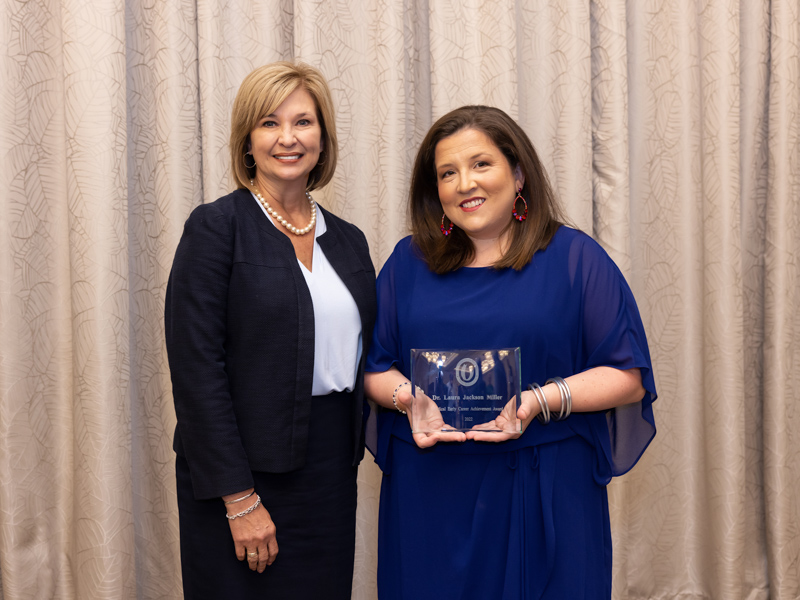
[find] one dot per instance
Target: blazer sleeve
(195, 325)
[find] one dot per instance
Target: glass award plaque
(463, 390)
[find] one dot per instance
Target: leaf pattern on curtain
(669, 128)
(164, 184)
(781, 279)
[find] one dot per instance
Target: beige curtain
(670, 129)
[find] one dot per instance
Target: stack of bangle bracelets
(566, 400)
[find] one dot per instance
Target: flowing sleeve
(612, 335)
(385, 351)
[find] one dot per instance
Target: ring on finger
(252, 554)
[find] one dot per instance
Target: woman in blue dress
(504, 514)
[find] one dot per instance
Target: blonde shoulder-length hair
(260, 94)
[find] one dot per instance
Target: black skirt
(314, 511)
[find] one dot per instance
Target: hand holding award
(430, 426)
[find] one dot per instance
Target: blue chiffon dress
(527, 518)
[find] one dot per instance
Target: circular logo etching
(467, 372)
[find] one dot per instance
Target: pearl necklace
(281, 220)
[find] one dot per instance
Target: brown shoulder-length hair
(260, 94)
(448, 253)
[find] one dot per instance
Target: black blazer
(240, 341)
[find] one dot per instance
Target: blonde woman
(269, 314)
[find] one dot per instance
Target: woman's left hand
(255, 538)
(506, 421)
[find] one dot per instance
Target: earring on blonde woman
(446, 231)
(524, 215)
(244, 160)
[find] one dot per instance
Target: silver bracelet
(240, 499)
(544, 415)
(394, 396)
(246, 511)
(566, 397)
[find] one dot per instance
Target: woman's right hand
(423, 413)
(506, 426)
(254, 536)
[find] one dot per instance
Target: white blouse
(337, 323)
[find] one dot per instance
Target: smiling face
(476, 184)
(286, 144)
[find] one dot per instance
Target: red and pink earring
(448, 230)
(517, 216)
